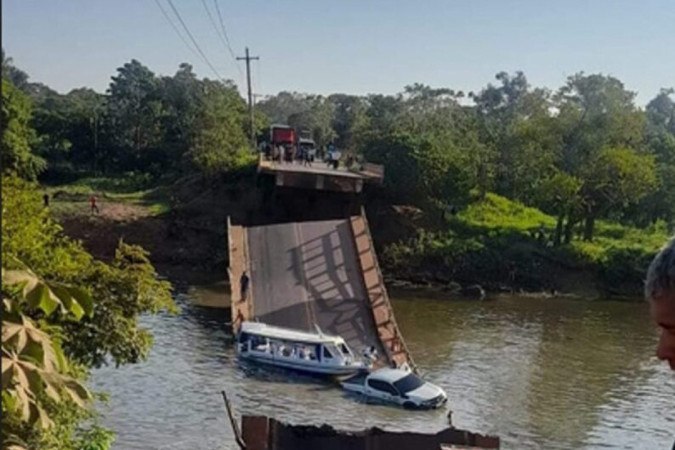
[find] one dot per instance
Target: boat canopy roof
(287, 334)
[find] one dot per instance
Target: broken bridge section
(309, 270)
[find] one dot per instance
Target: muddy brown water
(540, 373)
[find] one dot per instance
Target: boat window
(283, 349)
(382, 386)
(344, 349)
(306, 352)
(259, 343)
(408, 383)
(327, 353)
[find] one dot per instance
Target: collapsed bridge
(311, 260)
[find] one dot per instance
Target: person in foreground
(660, 292)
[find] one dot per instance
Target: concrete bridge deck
(321, 177)
(320, 272)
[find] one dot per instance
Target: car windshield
(408, 383)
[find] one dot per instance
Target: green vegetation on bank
(502, 244)
(63, 312)
(130, 188)
(65, 307)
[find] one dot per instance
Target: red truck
(283, 135)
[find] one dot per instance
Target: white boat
(315, 353)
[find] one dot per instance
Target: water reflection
(539, 373)
(547, 373)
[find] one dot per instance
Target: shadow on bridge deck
(315, 272)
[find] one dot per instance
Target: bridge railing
(383, 312)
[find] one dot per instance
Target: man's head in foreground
(660, 291)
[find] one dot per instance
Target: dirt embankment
(188, 244)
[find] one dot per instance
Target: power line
(175, 28)
(224, 40)
(194, 41)
(222, 26)
(258, 84)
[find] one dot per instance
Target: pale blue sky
(350, 46)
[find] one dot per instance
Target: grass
(496, 212)
(72, 198)
(491, 236)
(501, 214)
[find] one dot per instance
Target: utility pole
(248, 59)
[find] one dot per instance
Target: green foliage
(34, 368)
(133, 108)
(397, 154)
(14, 75)
(220, 144)
(17, 135)
(498, 213)
(617, 178)
(66, 313)
(497, 242)
(124, 290)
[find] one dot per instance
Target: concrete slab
(306, 273)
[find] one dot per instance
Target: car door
(382, 390)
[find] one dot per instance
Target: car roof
(390, 375)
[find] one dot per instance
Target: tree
(133, 112)
(558, 194)
(316, 121)
(57, 293)
(661, 143)
(349, 119)
(279, 107)
(34, 368)
(515, 122)
(219, 143)
(68, 128)
(180, 96)
(616, 178)
(661, 111)
(17, 135)
(596, 116)
(15, 76)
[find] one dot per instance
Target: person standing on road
(92, 202)
(307, 156)
(243, 286)
(660, 292)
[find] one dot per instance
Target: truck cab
(307, 148)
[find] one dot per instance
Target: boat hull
(301, 365)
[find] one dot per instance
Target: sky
(348, 46)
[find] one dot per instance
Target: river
(540, 373)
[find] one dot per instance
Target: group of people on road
(287, 153)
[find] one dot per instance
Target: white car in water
(398, 386)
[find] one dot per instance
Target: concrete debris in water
(266, 433)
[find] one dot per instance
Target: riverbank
(505, 247)
(495, 245)
(141, 215)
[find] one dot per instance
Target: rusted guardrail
(383, 313)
